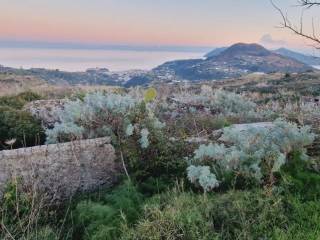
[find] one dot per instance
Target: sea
(82, 59)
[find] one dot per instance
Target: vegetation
(257, 152)
(17, 127)
(247, 183)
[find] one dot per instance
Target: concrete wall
(61, 170)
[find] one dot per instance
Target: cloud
(268, 41)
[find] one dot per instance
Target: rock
(59, 171)
(44, 110)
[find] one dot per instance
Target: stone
(44, 110)
(59, 171)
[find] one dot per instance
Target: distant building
(98, 70)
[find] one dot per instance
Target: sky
(147, 22)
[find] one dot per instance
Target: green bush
(303, 221)
(21, 126)
(188, 216)
(296, 175)
(102, 219)
(234, 215)
(18, 101)
(157, 167)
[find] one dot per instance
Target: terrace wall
(60, 170)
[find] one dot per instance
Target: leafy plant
(298, 174)
(102, 219)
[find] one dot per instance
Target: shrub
(21, 126)
(187, 216)
(102, 219)
(23, 215)
(96, 116)
(171, 217)
(145, 151)
(230, 103)
(303, 221)
(190, 124)
(298, 174)
(220, 101)
(257, 152)
(101, 115)
(150, 95)
(18, 125)
(159, 165)
(18, 101)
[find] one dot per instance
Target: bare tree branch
(286, 23)
(308, 3)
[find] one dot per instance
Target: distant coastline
(4, 43)
(76, 59)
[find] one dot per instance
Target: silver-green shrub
(201, 175)
(219, 101)
(144, 141)
(230, 103)
(99, 115)
(96, 116)
(254, 152)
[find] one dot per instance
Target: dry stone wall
(61, 170)
(314, 122)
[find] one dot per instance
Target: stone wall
(314, 122)
(61, 170)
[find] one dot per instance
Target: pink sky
(159, 22)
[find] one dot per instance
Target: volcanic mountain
(307, 59)
(237, 60)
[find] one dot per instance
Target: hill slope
(234, 61)
(307, 59)
(215, 52)
(14, 84)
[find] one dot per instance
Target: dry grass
(12, 84)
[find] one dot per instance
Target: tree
(299, 29)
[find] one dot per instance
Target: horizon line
(7, 43)
(70, 45)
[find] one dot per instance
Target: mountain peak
(251, 49)
(235, 61)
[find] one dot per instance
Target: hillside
(237, 60)
(253, 170)
(95, 76)
(222, 63)
(215, 52)
(307, 59)
(13, 84)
